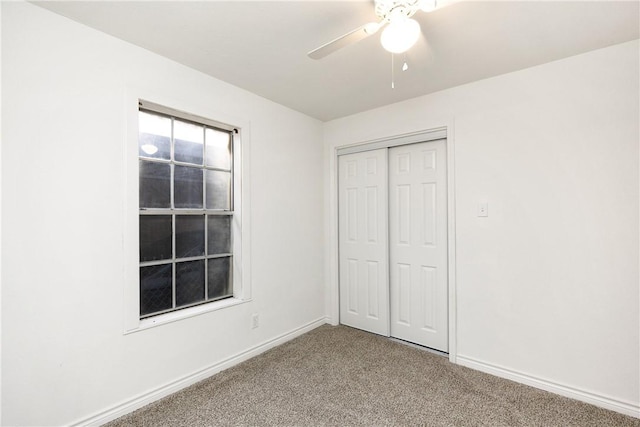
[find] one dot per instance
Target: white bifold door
(393, 242)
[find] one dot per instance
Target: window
(186, 210)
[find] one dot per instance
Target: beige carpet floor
(339, 376)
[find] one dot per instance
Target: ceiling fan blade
(345, 40)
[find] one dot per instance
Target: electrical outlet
(255, 320)
(483, 209)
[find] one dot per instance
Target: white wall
(64, 355)
(547, 285)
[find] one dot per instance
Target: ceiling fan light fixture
(400, 35)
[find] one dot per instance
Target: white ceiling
(261, 46)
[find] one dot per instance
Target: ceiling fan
(401, 33)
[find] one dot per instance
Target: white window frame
(241, 218)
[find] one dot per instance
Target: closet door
(363, 242)
(418, 243)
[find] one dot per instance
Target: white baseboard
(625, 408)
(174, 386)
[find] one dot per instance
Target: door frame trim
(332, 262)
(396, 141)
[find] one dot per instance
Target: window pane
(155, 289)
(154, 138)
(188, 142)
(219, 271)
(219, 234)
(155, 237)
(155, 185)
(185, 173)
(218, 149)
(218, 190)
(187, 187)
(189, 282)
(189, 235)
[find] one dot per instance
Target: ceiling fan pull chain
(393, 85)
(405, 66)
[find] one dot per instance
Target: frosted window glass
(188, 146)
(218, 190)
(218, 149)
(185, 172)
(155, 288)
(155, 185)
(154, 138)
(219, 234)
(155, 237)
(187, 187)
(189, 282)
(189, 235)
(219, 277)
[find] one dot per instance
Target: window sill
(174, 316)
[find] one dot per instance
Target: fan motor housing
(386, 9)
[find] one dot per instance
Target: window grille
(186, 211)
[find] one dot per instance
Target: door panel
(418, 244)
(363, 242)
